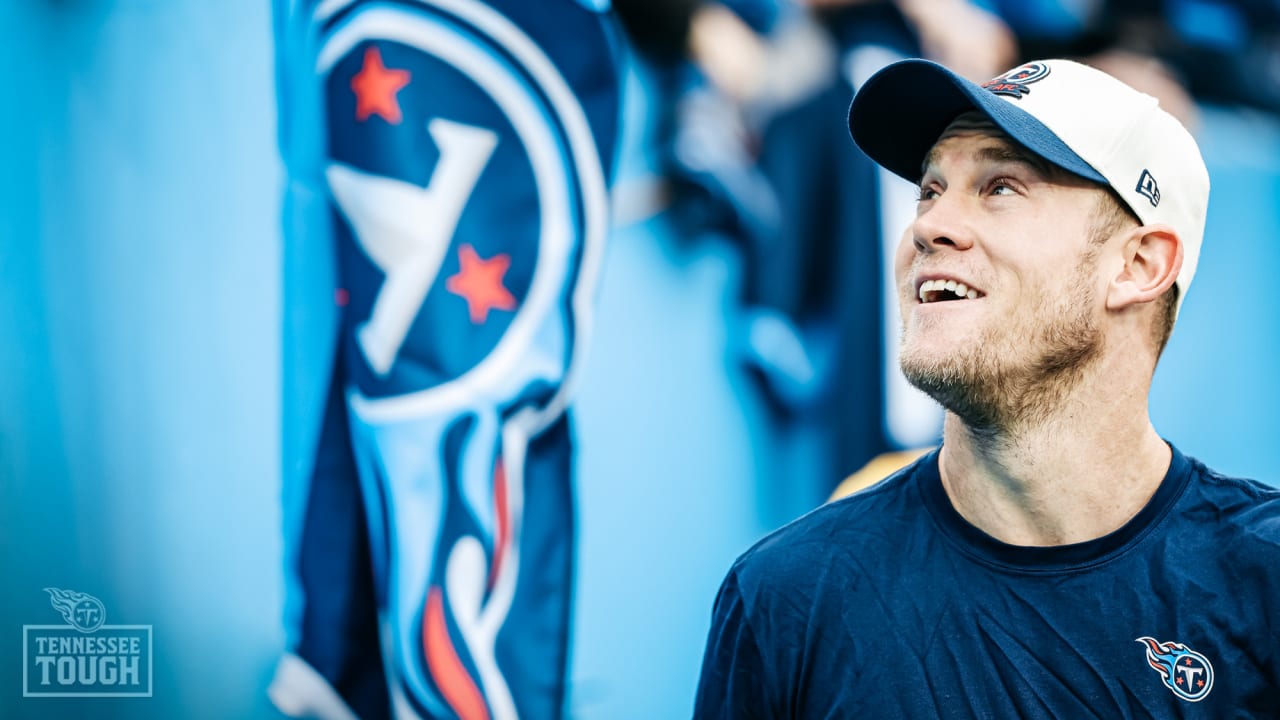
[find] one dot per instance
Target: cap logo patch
(1014, 83)
(1148, 188)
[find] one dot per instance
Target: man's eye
(927, 193)
(1001, 187)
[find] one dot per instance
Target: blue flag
(453, 154)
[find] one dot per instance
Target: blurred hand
(730, 53)
(967, 39)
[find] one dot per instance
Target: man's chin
(931, 366)
(958, 388)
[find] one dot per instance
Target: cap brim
(900, 112)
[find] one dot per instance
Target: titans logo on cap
(1014, 83)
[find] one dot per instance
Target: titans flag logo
(464, 155)
(1187, 673)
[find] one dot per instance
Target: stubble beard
(1008, 379)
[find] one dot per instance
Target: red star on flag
(479, 282)
(376, 88)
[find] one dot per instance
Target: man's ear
(1152, 257)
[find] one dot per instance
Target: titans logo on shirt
(1184, 671)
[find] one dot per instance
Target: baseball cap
(1074, 116)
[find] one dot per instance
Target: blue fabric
(1041, 18)
(338, 628)
(823, 271)
(888, 604)
(1214, 24)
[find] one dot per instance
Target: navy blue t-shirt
(888, 604)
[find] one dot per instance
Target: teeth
(933, 286)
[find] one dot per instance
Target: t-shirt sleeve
(735, 682)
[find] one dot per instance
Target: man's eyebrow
(929, 159)
(1001, 153)
(1013, 154)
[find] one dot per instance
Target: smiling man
(1055, 557)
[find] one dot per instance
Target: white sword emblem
(406, 230)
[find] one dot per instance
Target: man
(1055, 557)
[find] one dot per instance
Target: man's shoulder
(867, 521)
(1247, 508)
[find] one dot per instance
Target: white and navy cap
(1074, 116)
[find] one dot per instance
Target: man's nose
(945, 222)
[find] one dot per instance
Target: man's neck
(1073, 476)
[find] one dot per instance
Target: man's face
(1016, 238)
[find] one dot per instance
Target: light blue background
(140, 382)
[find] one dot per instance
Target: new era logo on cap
(1148, 188)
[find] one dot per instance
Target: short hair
(1110, 215)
